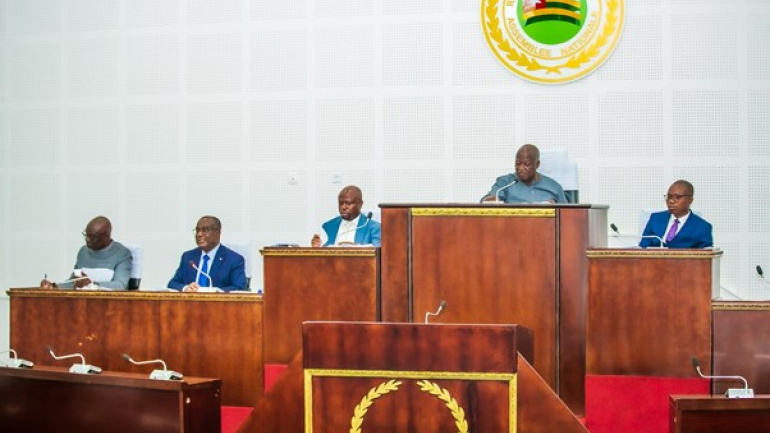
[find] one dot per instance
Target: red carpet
(634, 403)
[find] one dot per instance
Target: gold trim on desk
(134, 295)
(320, 252)
(740, 306)
(651, 253)
(484, 212)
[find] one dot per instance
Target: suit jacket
(227, 270)
(368, 231)
(695, 233)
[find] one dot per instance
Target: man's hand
(81, 283)
(192, 287)
(316, 241)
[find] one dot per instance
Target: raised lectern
(521, 264)
(409, 378)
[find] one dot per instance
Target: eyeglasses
(92, 235)
(676, 197)
(205, 230)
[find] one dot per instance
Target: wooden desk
(51, 400)
(742, 344)
(497, 264)
(201, 334)
(707, 414)
(649, 311)
(315, 284)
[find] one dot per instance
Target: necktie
(203, 280)
(672, 231)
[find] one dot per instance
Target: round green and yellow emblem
(552, 41)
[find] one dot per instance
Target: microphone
(81, 368)
(615, 229)
(368, 218)
(194, 266)
(497, 193)
(662, 244)
(745, 392)
(164, 374)
(440, 309)
(14, 361)
(761, 275)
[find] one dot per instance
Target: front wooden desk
(649, 311)
(742, 344)
(497, 264)
(52, 400)
(717, 414)
(197, 334)
(304, 284)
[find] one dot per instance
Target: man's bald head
(98, 233)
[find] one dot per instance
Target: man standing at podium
(526, 185)
(211, 264)
(350, 228)
(678, 227)
(101, 260)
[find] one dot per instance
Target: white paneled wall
(154, 112)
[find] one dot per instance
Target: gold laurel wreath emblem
(492, 26)
(392, 385)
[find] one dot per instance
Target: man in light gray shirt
(526, 185)
(101, 254)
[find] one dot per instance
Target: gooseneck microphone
(615, 229)
(81, 368)
(497, 193)
(440, 309)
(761, 274)
(164, 374)
(368, 218)
(194, 266)
(658, 238)
(14, 361)
(744, 392)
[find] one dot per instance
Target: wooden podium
(197, 334)
(742, 344)
(717, 414)
(409, 378)
(649, 311)
(52, 400)
(521, 264)
(315, 284)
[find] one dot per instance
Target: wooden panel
(216, 338)
(49, 399)
(210, 335)
(742, 344)
(395, 264)
(315, 284)
(717, 414)
(403, 346)
(649, 311)
(70, 322)
(460, 259)
(573, 302)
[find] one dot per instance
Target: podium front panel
(304, 284)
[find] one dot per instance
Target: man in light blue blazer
(211, 264)
(350, 228)
(678, 227)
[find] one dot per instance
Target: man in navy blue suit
(350, 227)
(211, 264)
(678, 227)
